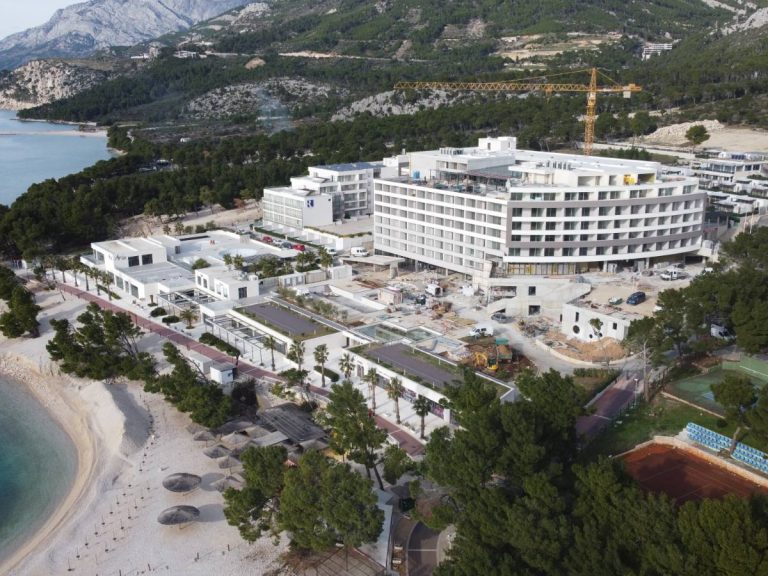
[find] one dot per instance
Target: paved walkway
(407, 442)
(610, 403)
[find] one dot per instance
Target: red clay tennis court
(683, 475)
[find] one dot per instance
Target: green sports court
(697, 389)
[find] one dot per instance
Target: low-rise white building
(728, 169)
(143, 268)
(578, 321)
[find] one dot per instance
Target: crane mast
(592, 90)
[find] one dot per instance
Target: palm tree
(321, 357)
(62, 264)
(189, 315)
(346, 365)
(228, 261)
(394, 391)
(106, 277)
(271, 343)
(421, 407)
(372, 377)
(296, 354)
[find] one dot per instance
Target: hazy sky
(18, 15)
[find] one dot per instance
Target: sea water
(31, 152)
(38, 462)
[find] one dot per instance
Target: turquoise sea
(32, 152)
(38, 462)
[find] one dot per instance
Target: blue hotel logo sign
(310, 203)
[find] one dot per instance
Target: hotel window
(242, 292)
(146, 259)
(133, 261)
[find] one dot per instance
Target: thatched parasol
(181, 482)
(204, 436)
(178, 515)
(229, 462)
(228, 482)
(217, 451)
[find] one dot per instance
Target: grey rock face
(83, 28)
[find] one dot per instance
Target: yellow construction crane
(538, 85)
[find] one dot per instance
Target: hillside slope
(81, 29)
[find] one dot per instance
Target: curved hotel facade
(495, 211)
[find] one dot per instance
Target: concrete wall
(576, 324)
(550, 294)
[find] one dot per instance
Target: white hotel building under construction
(494, 211)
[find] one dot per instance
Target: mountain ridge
(81, 29)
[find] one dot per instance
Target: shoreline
(19, 370)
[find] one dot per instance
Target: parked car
(332, 251)
(267, 239)
(500, 317)
(299, 247)
(717, 331)
(287, 245)
(359, 252)
(481, 331)
(672, 274)
(615, 301)
(636, 298)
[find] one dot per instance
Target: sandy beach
(127, 442)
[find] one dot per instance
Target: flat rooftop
(349, 166)
(362, 225)
(607, 309)
(160, 272)
(283, 320)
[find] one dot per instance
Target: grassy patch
(320, 329)
(594, 380)
(664, 417)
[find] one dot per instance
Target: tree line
(104, 345)
(523, 503)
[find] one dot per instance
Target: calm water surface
(31, 152)
(38, 462)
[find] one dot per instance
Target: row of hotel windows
(143, 260)
(600, 195)
(437, 221)
(536, 195)
(479, 204)
(461, 246)
(469, 232)
(457, 212)
(591, 237)
(600, 250)
(604, 210)
(606, 224)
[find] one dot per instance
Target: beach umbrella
(235, 439)
(182, 482)
(228, 482)
(234, 426)
(217, 451)
(204, 436)
(229, 462)
(178, 515)
(194, 428)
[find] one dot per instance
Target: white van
(717, 331)
(359, 252)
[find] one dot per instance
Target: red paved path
(684, 476)
(407, 442)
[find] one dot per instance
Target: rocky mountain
(40, 82)
(81, 29)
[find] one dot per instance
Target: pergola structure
(249, 340)
(176, 302)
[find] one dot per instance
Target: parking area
(405, 359)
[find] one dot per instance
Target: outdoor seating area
(746, 454)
